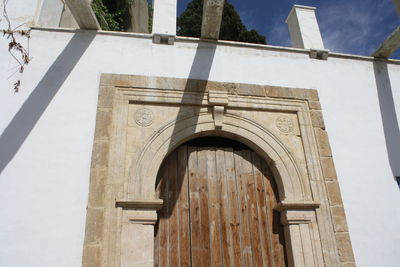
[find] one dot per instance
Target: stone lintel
(83, 14)
(212, 18)
(153, 204)
(219, 98)
(109, 80)
(389, 46)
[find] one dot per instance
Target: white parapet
(164, 17)
(303, 28)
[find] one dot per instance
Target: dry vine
(16, 47)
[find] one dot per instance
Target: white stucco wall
(47, 133)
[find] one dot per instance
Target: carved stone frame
(122, 199)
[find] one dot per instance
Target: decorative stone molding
(299, 221)
(137, 238)
(126, 157)
(218, 112)
(301, 228)
(140, 204)
(283, 206)
(218, 100)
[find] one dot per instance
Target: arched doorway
(219, 198)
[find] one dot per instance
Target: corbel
(218, 100)
(164, 39)
(297, 212)
(322, 54)
(140, 204)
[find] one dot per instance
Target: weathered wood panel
(218, 210)
(184, 223)
(194, 208)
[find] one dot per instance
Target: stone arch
(292, 185)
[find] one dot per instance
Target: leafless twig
(22, 57)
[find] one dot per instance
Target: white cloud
(353, 26)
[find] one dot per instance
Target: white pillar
(83, 14)
(50, 14)
(139, 16)
(303, 28)
(67, 19)
(164, 17)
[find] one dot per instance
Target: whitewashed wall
(47, 133)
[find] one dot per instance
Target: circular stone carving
(144, 117)
(284, 124)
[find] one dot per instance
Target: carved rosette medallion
(144, 117)
(284, 124)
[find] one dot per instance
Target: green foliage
(232, 28)
(110, 14)
(150, 7)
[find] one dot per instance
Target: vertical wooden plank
(264, 222)
(156, 256)
(157, 232)
(241, 170)
(234, 207)
(218, 210)
(248, 178)
(277, 232)
(194, 208)
(202, 173)
(183, 187)
(214, 209)
(173, 208)
(163, 218)
(226, 233)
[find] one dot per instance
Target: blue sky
(347, 26)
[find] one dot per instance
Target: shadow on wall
(389, 117)
(197, 82)
(30, 112)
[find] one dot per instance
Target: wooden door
(218, 210)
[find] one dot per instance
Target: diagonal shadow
(30, 112)
(197, 82)
(388, 113)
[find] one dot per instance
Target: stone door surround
(140, 120)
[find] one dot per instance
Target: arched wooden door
(218, 210)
